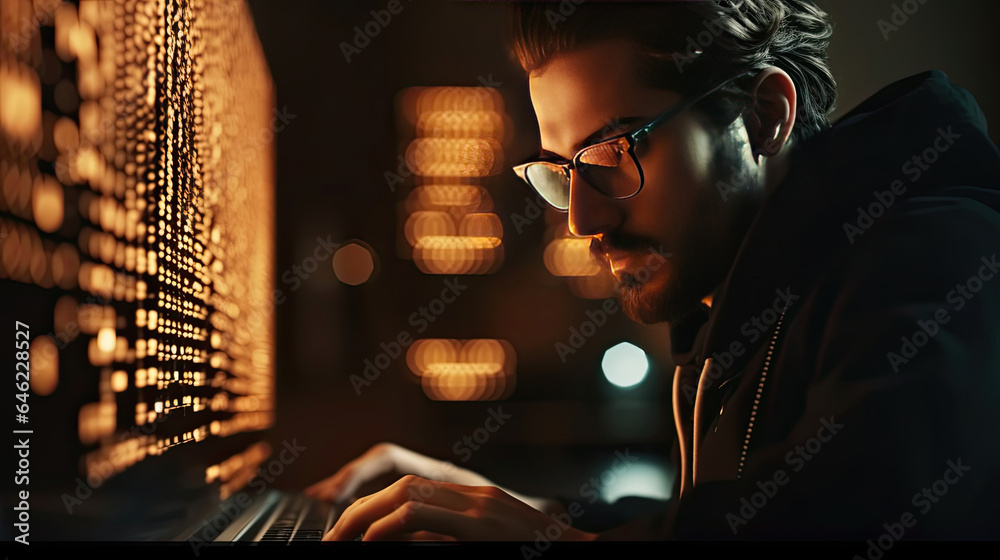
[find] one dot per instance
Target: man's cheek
(661, 278)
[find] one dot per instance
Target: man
(832, 291)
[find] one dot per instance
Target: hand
(415, 508)
(388, 460)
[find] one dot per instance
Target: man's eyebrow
(613, 127)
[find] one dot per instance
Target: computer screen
(136, 269)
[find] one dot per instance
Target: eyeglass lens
(607, 167)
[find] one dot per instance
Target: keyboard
(298, 519)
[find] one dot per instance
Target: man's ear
(772, 113)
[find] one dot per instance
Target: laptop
(274, 518)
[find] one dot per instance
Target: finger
(350, 477)
(321, 488)
(331, 488)
(415, 536)
(329, 536)
(409, 489)
(332, 534)
(415, 518)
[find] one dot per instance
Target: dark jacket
(846, 380)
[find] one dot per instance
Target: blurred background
(348, 132)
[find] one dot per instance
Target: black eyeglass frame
(633, 138)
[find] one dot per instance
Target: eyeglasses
(603, 165)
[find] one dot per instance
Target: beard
(667, 294)
(702, 254)
(665, 288)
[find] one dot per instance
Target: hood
(917, 137)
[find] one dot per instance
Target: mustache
(613, 242)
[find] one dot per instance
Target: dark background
(566, 420)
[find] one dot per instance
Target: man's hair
(688, 46)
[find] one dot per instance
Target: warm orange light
(106, 339)
(47, 203)
(65, 319)
(119, 381)
(428, 223)
(65, 23)
(466, 198)
(454, 157)
(459, 134)
(424, 352)
(458, 254)
(481, 224)
(461, 124)
(97, 355)
(353, 264)
(570, 256)
(467, 99)
(599, 286)
(96, 420)
(44, 364)
(468, 370)
(164, 156)
(65, 135)
(20, 102)
(65, 266)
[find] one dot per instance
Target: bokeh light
(641, 478)
(458, 136)
(44, 364)
(570, 256)
(353, 264)
(625, 365)
(137, 202)
(463, 370)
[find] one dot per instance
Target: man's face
(671, 245)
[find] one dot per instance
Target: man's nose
(590, 212)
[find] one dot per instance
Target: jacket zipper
(760, 391)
